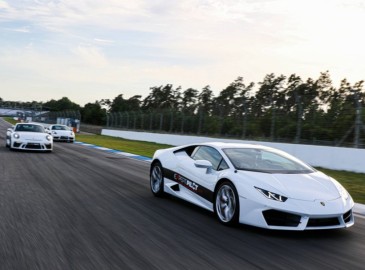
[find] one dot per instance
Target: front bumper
(63, 138)
(297, 215)
(32, 145)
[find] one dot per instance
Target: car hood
(62, 132)
(308, 187)
(32, 136)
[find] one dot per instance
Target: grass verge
(135, 147)
(10, 120)
(353, 182)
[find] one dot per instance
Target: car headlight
(72, 133)
(54, 132)
(16, 136)
(343, 192)
(272, 195)
(49, 137)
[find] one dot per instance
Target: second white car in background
(61, 133)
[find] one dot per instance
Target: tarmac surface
(81, 208)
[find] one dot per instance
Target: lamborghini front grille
(323, 222)
(279, 218)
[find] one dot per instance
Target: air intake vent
(347, 216)
(278, 218)
(323, 222)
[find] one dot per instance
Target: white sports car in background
(252, 184)
(61, 133)
(29, 136)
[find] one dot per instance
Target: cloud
(91, 55)
(3, 5)
(24, 29)
(136, 44)
(103, 41)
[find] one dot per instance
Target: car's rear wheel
(226, 204)
(156, 179)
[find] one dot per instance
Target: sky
(89, 50)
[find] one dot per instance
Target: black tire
(226, 204)
(9, 146)
(156, 179)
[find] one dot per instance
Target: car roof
(34, 124)
(224, 145)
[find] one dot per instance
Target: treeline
(278, 107)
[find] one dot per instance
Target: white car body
(61, 133)
(272, 199)
(29, 136)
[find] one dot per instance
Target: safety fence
(276, 127)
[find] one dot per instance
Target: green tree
(269, 99)
(205, 100)
(269, 94)
(106, 103)
(337, 117)
(205, 121)
(189, 100)
(93, 113)
(162, 98)
(119, 104)
(62, 104)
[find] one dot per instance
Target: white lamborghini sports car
(29, 136)
(252, 184)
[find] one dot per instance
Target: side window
(223, 165)
(212, 155)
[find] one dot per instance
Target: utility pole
(299, 118)
(358, 122)
(200, 120)
(273, 118)
(107, 120)
(244, 128)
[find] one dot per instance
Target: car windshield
(29, 128)
(59, 128)
(266, 161)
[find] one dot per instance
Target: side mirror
(205, 164)
(10, 129)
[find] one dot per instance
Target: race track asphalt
(80, 208)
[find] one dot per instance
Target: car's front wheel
(8, 143)
(226, 204)
(156, 179)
